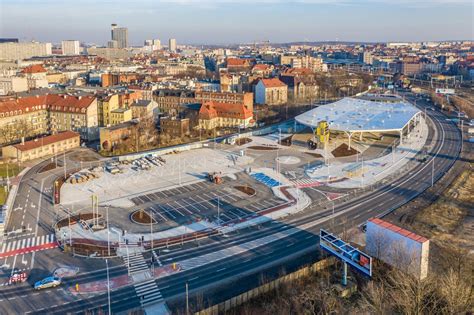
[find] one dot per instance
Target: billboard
(345, 252)
(397, 247)
(445, 91)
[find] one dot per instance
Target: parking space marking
(184, 207)
(166, 210)
(158, 213)
(176, 209)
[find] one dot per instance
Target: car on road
(49, 282)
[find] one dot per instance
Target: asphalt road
(271, 256)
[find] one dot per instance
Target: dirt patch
(246, 189)
(343, 150)
(83, 156)
(450, 217)
(316, 155)
(142, 217)
(263, 148)
(75, 218)
(48, 167)
(243, 141)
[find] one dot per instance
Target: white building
(71, 47)
(172, 45)
(16, 51)
(13, 85)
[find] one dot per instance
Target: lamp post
(108, 285)
(108, 230)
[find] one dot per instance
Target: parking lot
(206, 201)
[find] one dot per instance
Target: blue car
(49, 282)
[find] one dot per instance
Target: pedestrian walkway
(148, 292)
(135, 263)
(27, 245)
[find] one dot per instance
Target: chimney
(22, 140)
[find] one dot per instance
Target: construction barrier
(268, 287)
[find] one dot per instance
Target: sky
(238, 21)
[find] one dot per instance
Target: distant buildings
(172, 46)
(71, 47)
(271, 92)
(16, 51)
(120, 34)
(13, 84)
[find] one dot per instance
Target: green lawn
(3, 195)
(13, 169)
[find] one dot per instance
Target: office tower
(172, 45)
(148, 42)
(71, 47)
(120, 34)
(156, 44)
(112, 44)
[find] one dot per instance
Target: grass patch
(13, 169)
(3, 195)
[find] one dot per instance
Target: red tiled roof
(399, 230)
(38, 142)
(211, 110)
(261, 66)
(34, 69)
(274, 82)
(53, 102)
(239, 62)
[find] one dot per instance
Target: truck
(215, 177)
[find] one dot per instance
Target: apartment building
(245, 98)
(25, 117)
(13, 84)
(18, 51)
(70, 47)
(120, 115)
(38, 148)
(216, 115)
(169, 101)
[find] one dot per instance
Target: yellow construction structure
(322, 132)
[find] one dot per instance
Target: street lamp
(108, 230)
(108, 285)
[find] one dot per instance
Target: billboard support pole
(344, 275)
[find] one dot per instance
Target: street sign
(345, 252)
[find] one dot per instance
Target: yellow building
(120, 115)
(106, 105)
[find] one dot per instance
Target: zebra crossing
(148, 292)
(306, 182)
(135, 263)
(20, 246)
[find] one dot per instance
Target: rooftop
(357, 115)
(39, 142)
(398, 230)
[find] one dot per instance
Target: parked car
(49, 282)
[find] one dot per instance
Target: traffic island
(142, 217)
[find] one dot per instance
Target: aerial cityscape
(236, 157)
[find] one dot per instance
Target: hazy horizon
(224, 22)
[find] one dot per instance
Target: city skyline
(240, 21)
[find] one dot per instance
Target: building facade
(42, 147)
(245, 98)
(71, 47)
(120, 34)
(217, 115)
(174, 127)
(16, 51)
(271, 92)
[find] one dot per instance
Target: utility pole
(187, 299)
(108, 230)
(432, 172)
(64, 158)
(218, 211)
(108, 285)
(151, 231)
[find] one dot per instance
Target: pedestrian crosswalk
(27, 243)
(135, 263)
(148, 292)
(306, 182)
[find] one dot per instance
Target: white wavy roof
(356, 115)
